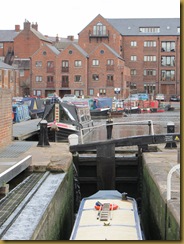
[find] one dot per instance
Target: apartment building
(112, 56)
(149, 47)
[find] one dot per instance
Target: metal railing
(169, 176)
(143, 122)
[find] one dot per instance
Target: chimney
(71, 38)
(57, 38)
(35, 26)
(27, 25)
(17, 28)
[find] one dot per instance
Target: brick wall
(5, 117)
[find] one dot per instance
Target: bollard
(109, 127)
(149, 125)
(73, 139)
(170, 129)
(43, 140)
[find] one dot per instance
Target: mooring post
(149, 125)
(170, 129)
(109, 126)
(43, 140)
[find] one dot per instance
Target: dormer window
(99, 30)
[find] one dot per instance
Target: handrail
(142, 122)
(174, 168)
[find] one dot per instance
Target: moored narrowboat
(64, 119)
(107, 215)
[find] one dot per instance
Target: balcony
(99, 36)
(50, 69)
(65, 84)
(65, 69)
(110, 67)
(50, 85)
(110, 83)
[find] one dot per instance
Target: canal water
(135, 125)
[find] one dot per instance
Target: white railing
(143, 122)
(174, 168)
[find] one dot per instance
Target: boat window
(69, 114)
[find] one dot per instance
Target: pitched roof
(8, 35)
(40, 35)
(168, 26)
(53, 49)
(109, 48)
(80, 49)
(63, 42)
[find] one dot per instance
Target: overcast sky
(69, 17)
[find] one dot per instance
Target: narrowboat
(107, 215)
(64, 119)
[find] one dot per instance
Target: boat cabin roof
(116, 220)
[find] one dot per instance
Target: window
(110, 62)
(133, 71)
(133, 58)
(38, 63)
(65, 66)
(78, 93)
(91, 92)
(78, 63)
(1, 44)
(65, 81)
(110, 80)
(78, 78)
(102, 91)
(178, 29)
(150, 44)
(110, 77)
(38, 78)
(168, 61)
(133, 86)
(150, 72)
(95, 77)
(50, 78)
(95, 62)
(168, 75)
(149, 29)
(133, 43)
(168, 46)
(99, 30)
(37, 93)
(149, 88)
(21, 71)
(50, 66)
(65, 63)
(149, 58)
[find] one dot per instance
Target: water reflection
(160, 121)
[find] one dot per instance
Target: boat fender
(54, 127)
(98, 206)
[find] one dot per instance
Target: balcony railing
(50, 84)
(65, 84)
(65, 69)
(110, 83)
(110, 67)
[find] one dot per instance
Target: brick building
(9, 78)
(150, 48)
(125, 55)
(128, 55)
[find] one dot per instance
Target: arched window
(99, 30)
